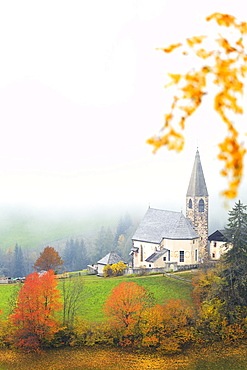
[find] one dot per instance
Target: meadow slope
(96, 290)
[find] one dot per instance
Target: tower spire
(197, 204)
(197, 185)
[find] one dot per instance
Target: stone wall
(168, 268)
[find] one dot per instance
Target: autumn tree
(167, 326)
(124, 307)
(49, 259)
(34, 317)
(225, 66)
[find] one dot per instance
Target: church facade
(166, 237)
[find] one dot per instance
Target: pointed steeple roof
(197, 186)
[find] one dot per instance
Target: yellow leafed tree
(228, 66)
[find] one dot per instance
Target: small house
(217, 244)
(109, 259)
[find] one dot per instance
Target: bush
(88, 333)
(117, 269)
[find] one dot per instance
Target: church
(167, 237)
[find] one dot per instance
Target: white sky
(81, 89)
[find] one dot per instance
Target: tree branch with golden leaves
(228, 66)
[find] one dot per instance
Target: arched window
(201, 205)
(190, 203)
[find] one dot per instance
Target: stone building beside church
(167, 237)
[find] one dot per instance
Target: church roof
(156, 255)
(110, 259)
(159, 224)
(197, 185)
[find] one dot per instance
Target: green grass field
(96, 290)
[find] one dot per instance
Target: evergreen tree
(123, 226)
(8, 262)
(104, 243)
(83, 251)
(234, 263)
(68, 255)
(75, 255)
(226, 289)
(18, 263)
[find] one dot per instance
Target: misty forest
(77, 251)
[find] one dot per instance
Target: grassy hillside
(96, 290)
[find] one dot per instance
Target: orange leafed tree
(125, 306)
(49, 259)
(227, 64)
(34, 317)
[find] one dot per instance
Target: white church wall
(144, 251)
(182, 251)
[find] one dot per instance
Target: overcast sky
(81, 89)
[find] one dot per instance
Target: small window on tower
(190, 203)
(201, 205)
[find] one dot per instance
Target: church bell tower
(197, 205)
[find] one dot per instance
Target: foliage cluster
(49, 259)
(34, 315)
(116, 269)
(135, 320)
(226, 66)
